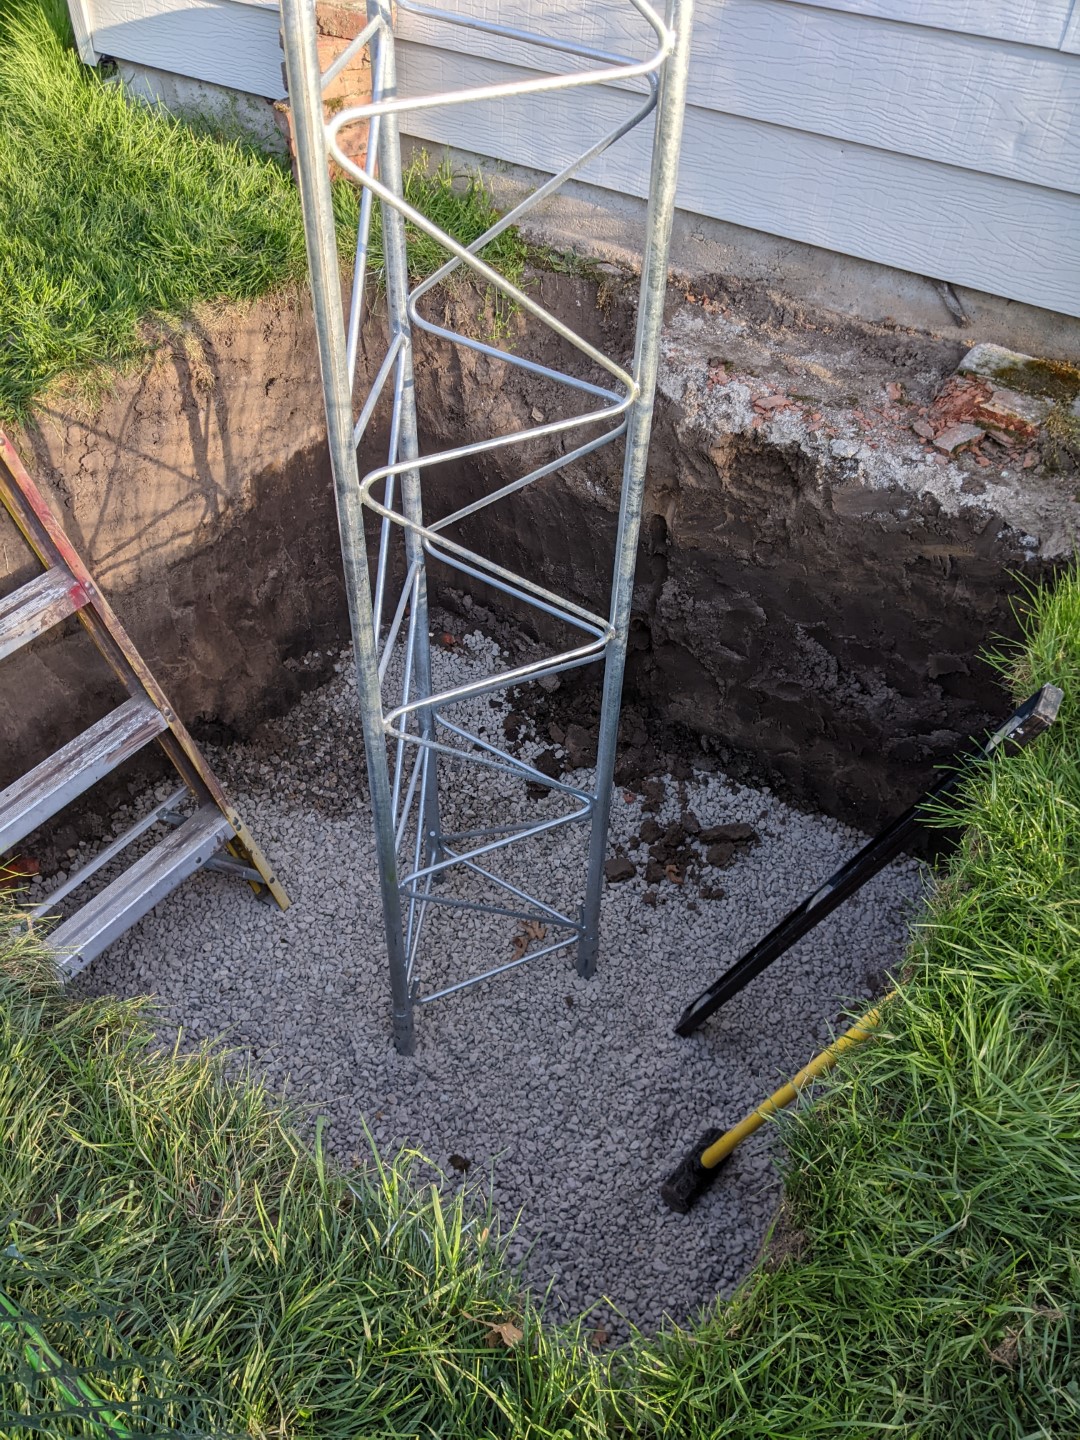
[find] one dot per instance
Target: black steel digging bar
(1024, 726)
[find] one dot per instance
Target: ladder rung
(183, 851)
(41, 792)
(36, 606)
(96, 862)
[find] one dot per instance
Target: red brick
(353, 85)
(344, 21)
(338, 24)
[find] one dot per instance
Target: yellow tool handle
(820, 1064)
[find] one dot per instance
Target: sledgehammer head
(690, 1179)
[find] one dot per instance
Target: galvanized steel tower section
(414, 733)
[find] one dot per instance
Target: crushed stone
(565, 1100)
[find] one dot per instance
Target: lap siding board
(935, 138)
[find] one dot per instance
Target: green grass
(935, 1189)
(112, 213)
(460, 204)
(115, 214)
(205, 1274)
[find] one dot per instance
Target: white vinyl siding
(938, 136)
(228, 42)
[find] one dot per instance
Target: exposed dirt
(199, 495)
(814, 578)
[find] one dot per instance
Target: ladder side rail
(32, 514)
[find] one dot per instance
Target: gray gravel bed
(570, 1099)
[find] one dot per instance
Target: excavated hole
(796, 634)
(562, 1100)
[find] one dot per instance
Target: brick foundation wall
(339, 24)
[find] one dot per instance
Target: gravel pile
(566, 1100)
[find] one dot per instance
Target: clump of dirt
(685, 848)
(665, 854)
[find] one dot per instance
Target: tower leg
(302, 68)
(654, 273)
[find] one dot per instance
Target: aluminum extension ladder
(213, 836)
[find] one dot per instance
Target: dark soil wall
(199, 494)
(828, 627)
(783, 606)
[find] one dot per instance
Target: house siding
(938, 136)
